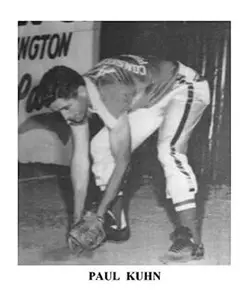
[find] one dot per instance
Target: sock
(188, 219)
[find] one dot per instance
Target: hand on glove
(87, 234)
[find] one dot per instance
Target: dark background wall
(204, 46)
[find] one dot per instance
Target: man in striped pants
(134, 96)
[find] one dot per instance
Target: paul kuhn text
(129, 276)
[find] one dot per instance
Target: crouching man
(134, 96)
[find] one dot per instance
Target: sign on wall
(42, 45)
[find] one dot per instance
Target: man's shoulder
(133, 59)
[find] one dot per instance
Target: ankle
(188, 219)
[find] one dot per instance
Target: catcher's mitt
(87, 234)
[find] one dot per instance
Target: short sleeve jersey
(128, 82)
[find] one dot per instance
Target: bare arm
(120, 142)
(80, 167)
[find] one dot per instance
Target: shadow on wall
(50, 121)
(55, 123)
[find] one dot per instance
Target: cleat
(183, 248)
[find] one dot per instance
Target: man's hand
(87, 234)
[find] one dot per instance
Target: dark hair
(59, 82)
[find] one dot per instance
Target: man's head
(63, 89)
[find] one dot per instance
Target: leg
(182, 115)
(103, 162)
(115, 218)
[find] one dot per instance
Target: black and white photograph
(124, 144)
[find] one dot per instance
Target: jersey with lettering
(129, 82)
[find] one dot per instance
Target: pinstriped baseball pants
(175, 116)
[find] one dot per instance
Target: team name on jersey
(103, 71)
(137, 69)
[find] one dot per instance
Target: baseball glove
(87, 234)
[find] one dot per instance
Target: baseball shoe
(184, 248)
(113, 232)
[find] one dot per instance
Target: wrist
(100, 213)
(100, 219)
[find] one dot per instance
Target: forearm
(80, 180)
(80, 167)
(113, 186)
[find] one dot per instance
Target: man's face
(73, 110)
